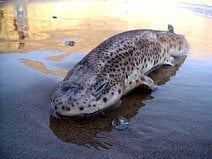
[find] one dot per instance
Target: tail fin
(170, 28)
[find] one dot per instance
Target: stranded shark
(115, 67)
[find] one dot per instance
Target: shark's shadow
(85, 132)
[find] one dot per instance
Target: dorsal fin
(170, 28)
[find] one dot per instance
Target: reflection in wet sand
(1, 17)
(21, 23)
(39, 66)
(163, 75)
(86, 132)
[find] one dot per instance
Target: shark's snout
(85, 101)
(61, 107)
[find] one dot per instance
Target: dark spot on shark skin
(119, 91)
(81, 108)
(140, 59)
(55, 107)
(105, 100)
(63, 107)
(144, 59)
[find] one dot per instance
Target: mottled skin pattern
(115, 67)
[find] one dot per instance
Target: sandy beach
(174, 121)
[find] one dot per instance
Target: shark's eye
(64, 89)
(100, 87)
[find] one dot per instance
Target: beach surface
(174, 121)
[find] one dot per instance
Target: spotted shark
(114, 68)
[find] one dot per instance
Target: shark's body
(115, 67)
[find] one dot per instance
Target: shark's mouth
(87, 116)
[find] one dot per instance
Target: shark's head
(86, 93)
(178, 45)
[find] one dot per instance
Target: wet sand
(173, 121)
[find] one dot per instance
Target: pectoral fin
(170, 61)
(145, 80)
